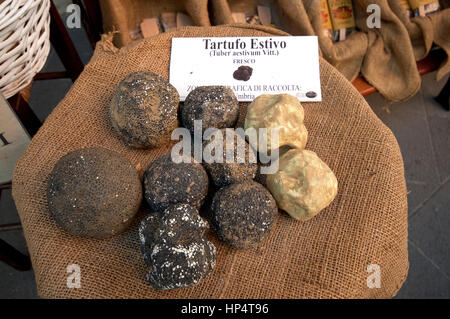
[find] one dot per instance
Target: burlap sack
(424, 31)
(389, 64)
(125, 16)
(441, 37)
(326, 257)
(384, 56)
(420, 30)
(301, 18)
(346, 56)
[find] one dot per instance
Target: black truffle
(167, 183)
(243, 73)
(242, 166)
(178, 223)
(93, 192)
(174, 248)
(143, 110)
(243, 214)
(216, 106)
(259, 177)
(311, 94)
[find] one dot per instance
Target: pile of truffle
(303, 184)
(94, 192)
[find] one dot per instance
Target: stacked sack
(350, 39)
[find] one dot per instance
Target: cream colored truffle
(303, 185)
(282, 111)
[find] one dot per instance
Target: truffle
(303, 185)
(311, 94)
(280, 111)
(167, 183)
(143, 110)
(243, 214)
(270, 167)
(240, 163)
(174, 247)
(243, 73)
(260, 177)
(93, 192)
(216, 106)
(178, 223)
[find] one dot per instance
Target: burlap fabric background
(124, 16)
(384, 56)
(424, 31)
(346, 56)
(301, 18)
(419, 29)
(326, 257)
(441, 37)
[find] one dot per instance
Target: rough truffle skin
(216, 106)
(303, 184)
(243, 167)
(174, 248)
(178, 223)
(243, 214)
(278, 111)
(93, 192)
(167, 183)
(143, 110)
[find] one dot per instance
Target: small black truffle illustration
(311, 94)
(243, 73)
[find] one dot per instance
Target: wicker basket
(24, 42)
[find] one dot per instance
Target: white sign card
(13, 141)
(250, 66)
